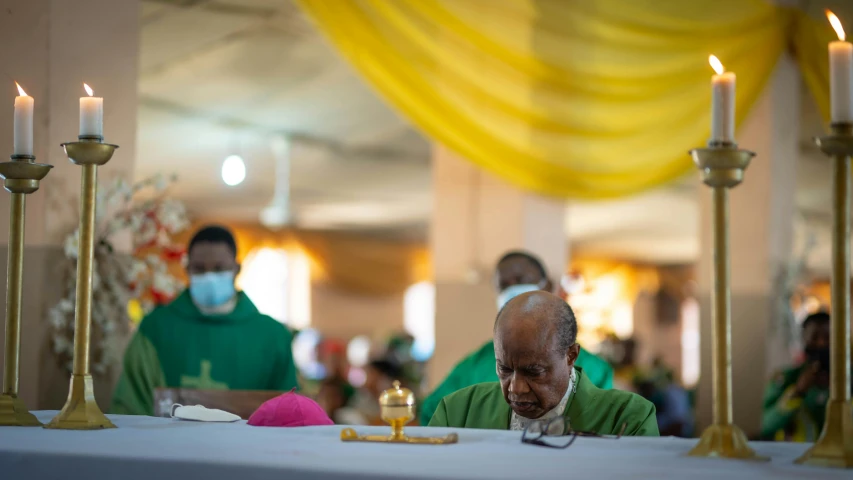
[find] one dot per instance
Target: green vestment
(788, 417)
(176, 346)
(479, 367)
(589, 409)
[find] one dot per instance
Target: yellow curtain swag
(569, 98)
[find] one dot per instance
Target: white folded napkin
(199, 413)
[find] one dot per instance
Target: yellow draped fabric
(360, 265)
(571, 98)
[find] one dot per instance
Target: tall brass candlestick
(21, 177)
(81, 412)
(834, 448)
(722, 165)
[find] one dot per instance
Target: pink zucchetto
(290, 410)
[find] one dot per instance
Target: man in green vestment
(535, 352)
(210, 337)
(795, 400)
(517, 272)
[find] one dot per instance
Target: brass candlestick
(834, 448)
(722, 165)
(21, 177)
(397, 408)
(81, 412)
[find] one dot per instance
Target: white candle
(722, 103)
(91, 114)
(23, 138)
(840, 74)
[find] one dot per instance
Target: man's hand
(807, 379)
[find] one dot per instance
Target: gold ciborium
(21, 177)
(722, 166)
(81, 411)
(834, 447)
(397, 408)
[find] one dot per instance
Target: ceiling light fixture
(233, 170)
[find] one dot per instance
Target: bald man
(535, 352)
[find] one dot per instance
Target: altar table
(149, 448)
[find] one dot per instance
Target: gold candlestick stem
(722, 166)
(81, 411)
(834, 448)
(21, 177)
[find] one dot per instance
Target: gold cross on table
(203, 381)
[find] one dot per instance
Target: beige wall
(339, 314)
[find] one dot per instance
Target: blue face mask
(515, 290)
(212, 289)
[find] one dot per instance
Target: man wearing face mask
(517, 272)
(211, 337)
(538, 385)
(795, 400)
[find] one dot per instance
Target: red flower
(160, 298)
(173, 253)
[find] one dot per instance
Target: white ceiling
(220, 76)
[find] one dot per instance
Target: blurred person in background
(795, 399)
(671, 401)
(363, 408)
(210, 337)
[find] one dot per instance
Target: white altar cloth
(147, 448)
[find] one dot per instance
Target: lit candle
(722, 103)
(91, 114)
(23, 138)
(840, 74)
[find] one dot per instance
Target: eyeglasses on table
(545, 433)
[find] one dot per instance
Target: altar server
(517, 272)
(535, 352)
(795, 400)
(211, 337)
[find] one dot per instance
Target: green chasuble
(589, 408)
(479, 367)
(787, 417)
(176, 346)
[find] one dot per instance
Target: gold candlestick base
(80, 412)
(834, 448)
(13, 413)
(725, 441)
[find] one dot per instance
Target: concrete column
(476, 218)
(761, 229)
(51, 47)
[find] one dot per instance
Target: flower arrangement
(139, 274)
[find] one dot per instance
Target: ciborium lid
(397, 396)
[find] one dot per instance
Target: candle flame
(716, 64)
(836, 25)
(21, 90)
(88, 90)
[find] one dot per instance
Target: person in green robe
(795, 399)
(535, 352)
(210, 337)
(517, 272)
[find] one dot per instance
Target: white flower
(137, 269)
(161, 182)
(61, 345)
(65, 305)
(58, 319)
(146, 232)
(172, 215)
(72, 245)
